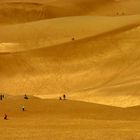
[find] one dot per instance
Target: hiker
(73, 39)
(5, 116)
(25, 97)
(60, 98)
(64, 97)
(0, 97)
(23, 108)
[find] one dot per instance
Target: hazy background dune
(17, 11)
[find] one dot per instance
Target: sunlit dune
(69, 69)
(47, 33)
(67, 119)
(94, 66)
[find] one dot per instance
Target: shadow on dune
(21, 12)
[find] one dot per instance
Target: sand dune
(86, 49)
(68, 108)
(61, 108)
(17, 11)
(20, 12)
(85, 56)
(96, 67)
(27, 36)
(59, 120)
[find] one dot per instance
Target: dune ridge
(23, 12)
(22, 37)
(85, 49)
(88, 55)
(94, 63)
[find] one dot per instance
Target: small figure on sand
(23, 108)
(25, 97)
(60, 98)
(64, 97)
(73, 39)
(123, 13)
(0, 97)
(5, 116)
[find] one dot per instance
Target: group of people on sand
(63, 97)
(23, 107)
(1, 96)
(26, 98)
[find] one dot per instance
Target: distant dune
(11, 13)
(87, 49)
(17, 11)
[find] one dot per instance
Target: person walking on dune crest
(64, 97)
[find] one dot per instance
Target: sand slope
(12, 105)
(47, 33)
(17, 11)
(86, 49)
(100, 64)
(92, 68)
(54, 119)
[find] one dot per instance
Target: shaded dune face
(19, 12)
(47, 33)
(11, 13)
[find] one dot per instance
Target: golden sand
(59, 120)
(86, 49)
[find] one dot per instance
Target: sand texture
(86, 49)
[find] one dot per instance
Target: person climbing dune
(0, 97)
(60, 98)
(23, 108)
(5, 116)
(25, 97)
